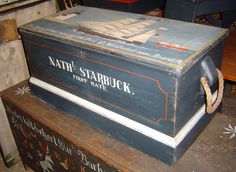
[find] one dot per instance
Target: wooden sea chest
(135, 77)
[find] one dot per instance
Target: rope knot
(212, 106)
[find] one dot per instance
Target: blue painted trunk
(132, 73)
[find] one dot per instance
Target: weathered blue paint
(149, 71)
(172, 46)
(156, 149)
(157, 69)
(117, 100)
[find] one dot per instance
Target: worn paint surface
(13, 63)
(143, 68)
(132, 64)
(134, 91)
(13, 70)
(11, 5)
(155, 41)
(26, 15)
(3, 2)
(8, 30)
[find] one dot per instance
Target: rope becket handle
(211, 106)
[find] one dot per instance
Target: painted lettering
(126, 88)
(40, 131)
(102, 81)
(97, 80)
(80, 79)
(91, 165)
(67, 66)
(17, 118)
(82, 72)
(93, 77)
(99, 86)
(100, 78)
(106, 80)
(119, 85)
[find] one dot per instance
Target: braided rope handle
(211, 106)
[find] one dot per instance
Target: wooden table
(229, 60)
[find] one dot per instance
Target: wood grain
(229, 60)
(12, 6)
(29, 14)
(8, 31)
